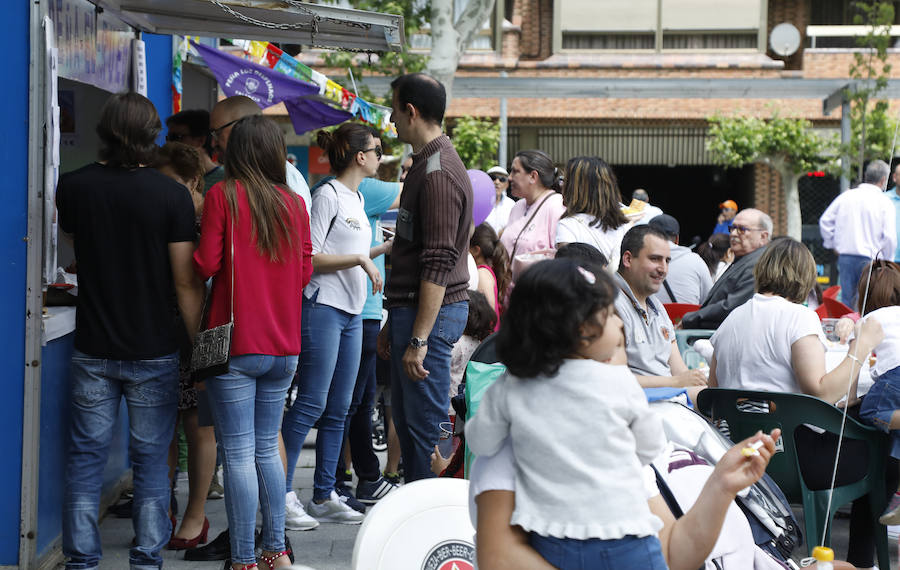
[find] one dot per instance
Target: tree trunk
(449, 38)
(791, 202)
(444, 38)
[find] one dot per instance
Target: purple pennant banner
(308, 114)
(238, 76)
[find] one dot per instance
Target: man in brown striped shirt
(426, 292)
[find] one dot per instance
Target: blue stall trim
(159, 76)
(14, 101)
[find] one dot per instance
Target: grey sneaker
(295, 518)
(334, 510)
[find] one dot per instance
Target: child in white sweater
(581, 429)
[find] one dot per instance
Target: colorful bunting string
(264, 53)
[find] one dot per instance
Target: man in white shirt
(859, 226)
(503, 204)
(688, 280)
(230, 110)
(650, 211)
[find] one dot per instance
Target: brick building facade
(657, 142)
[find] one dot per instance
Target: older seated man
(750, 233)
(649, 335)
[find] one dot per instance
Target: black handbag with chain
(212, 347)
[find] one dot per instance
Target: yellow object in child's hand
(752, 449)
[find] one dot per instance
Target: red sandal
(270, 560)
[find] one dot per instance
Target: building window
(644, 25)
(710, 41)
(592, 40)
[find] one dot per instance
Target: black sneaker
(394, 477)
(370, 492)
(347, 497)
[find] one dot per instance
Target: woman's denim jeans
(329, 361)
(150, 388)
(419, 406)
(247, 404)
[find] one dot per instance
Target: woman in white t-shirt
(773, 343)
(593, 208)
(332, 322)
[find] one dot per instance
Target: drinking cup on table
(828, 326)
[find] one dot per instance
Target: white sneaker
(334, 510)
(295, 518)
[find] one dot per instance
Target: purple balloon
(484, 195)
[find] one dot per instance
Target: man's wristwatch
(417, 342)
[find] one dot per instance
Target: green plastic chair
(685, 339)
(788, 412)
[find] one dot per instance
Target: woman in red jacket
(267, 224)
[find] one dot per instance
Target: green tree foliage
(415, 14)
(871, 129)
(787, 145)
(476, 140)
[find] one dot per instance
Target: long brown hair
(486, 238)
(591, 188)
(256, 156)
(884, 286)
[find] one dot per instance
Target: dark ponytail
(540, 162)
(486, 239)
(343, 143)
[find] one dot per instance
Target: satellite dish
(784, 39)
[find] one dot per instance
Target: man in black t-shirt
(133, 232)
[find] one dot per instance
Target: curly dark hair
(549, 304)
(482, 319)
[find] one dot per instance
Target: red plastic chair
(835, 308)
(831, 292)
(677, 310)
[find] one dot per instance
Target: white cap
(498, 170)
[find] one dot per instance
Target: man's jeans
(150, 388)
(247, 404)
(420, 406)
(329, 361)
(850, 269)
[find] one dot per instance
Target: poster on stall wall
(51, 153)
(94, 48)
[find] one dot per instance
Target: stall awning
(288, 21)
